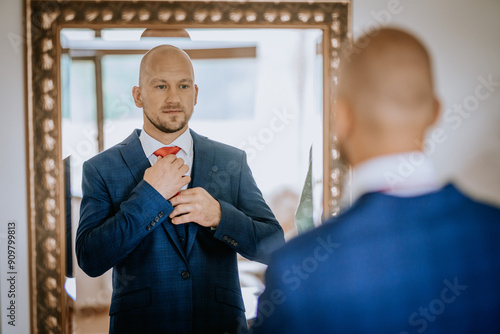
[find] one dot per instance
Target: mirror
(323, 27)
(259, 90)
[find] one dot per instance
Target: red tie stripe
(164, 151)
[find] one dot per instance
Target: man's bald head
(386, 87)
(167, 92)
(164, 52)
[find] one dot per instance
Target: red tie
(164, 151)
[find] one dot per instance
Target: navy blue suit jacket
(426, 264)
(161, 285)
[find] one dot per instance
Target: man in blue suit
(168, 210)
(410, 255)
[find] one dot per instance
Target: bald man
(169, 210)
(410, 255)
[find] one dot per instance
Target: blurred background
(462, 37)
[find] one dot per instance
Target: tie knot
(164, 151)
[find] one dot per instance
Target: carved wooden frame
(44, 19)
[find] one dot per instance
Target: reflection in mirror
(259, 90)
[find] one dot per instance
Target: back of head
(386, 89)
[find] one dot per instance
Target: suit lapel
(134, 156)
(137, 162)
(173, 237)
(204, 156)
(201, 176)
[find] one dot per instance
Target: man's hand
(195, 205)
(167, 175)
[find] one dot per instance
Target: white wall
(13, 167)
(463, 40)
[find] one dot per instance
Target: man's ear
(195, 94)
(136, 93)
(342, 119)
(436, 111)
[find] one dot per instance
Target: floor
(91, 321)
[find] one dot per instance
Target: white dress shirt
(184, 141)
(404, 175)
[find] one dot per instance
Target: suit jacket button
(157, 219)
(235, 243)
(153, 223)
(160, 215)
(225, 238)
(185, 274)
(148, 227)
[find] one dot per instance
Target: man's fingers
(175, 201)
(185, 196)
(179, 162)
(185, 180)
(195, 205)
(171, 159)
(180, 210)
(184, 169)
(192, 192)
(187, 192)
(182, 219)
(166, 159)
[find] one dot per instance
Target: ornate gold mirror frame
(45, 19)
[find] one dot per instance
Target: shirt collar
(404, 175)
(150, 145)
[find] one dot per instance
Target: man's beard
(166, 127)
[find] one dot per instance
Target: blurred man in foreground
(410, 255)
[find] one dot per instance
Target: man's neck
(404, 174)
(364, 156)
(164, 137)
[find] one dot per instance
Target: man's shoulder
(324, 239)
(113, 154)
(476, 203)
(334, 229)
(108, 155)
(218, 146)
(375, 217)
(444, 203)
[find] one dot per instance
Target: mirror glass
(259, 90)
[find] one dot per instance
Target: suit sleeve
(277, 305)
(249, 227)
(104, 237)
